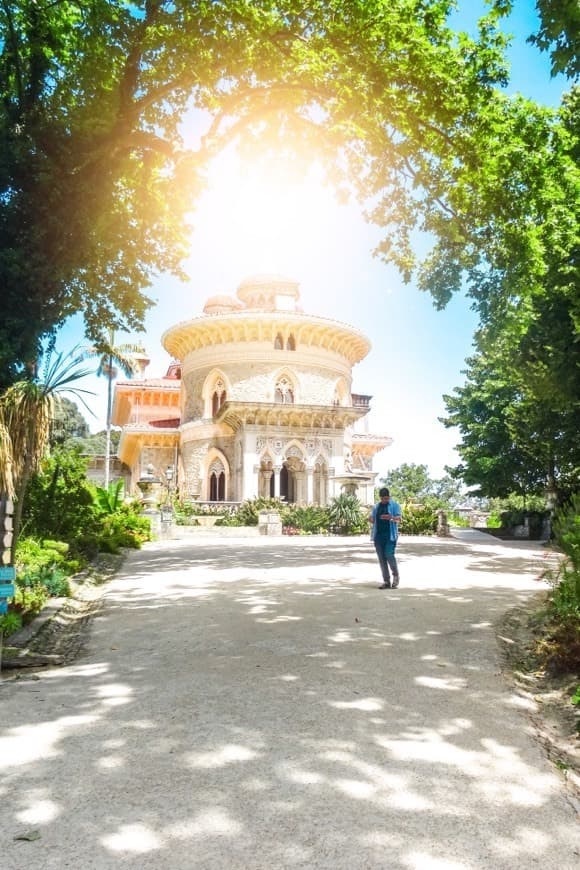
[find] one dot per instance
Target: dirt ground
(61, 639)
(555, 719)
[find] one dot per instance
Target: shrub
(29, 600)
(124, 528)
(560, 647)
(458, 520)
(248, 512)
(566, 580)
(59, 501)
(309, 519)
(10, 623)
(347, 516)
(418, 520)
(109, 500)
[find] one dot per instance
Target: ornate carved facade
(257, 402)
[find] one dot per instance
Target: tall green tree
(97, 178)
(409, 482)
(67, 422)
(517, 419)
(112, 358)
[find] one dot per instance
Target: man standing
(385, 518)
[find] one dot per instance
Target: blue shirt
(386, 530)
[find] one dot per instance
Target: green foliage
(248, 512)
(559, 34)
(458, 520)
(33, 555)
(96, 443)
(109, 500)
(124, 528)
(29, 600)
(408, 482)
(566, 580)
(59, 498)
(185, 510)
(411, 483)
(96, 179)
(309, 519)
(418, 520)
(347, 516)
(67, 423)
(10, 623)
(494, 521)
(53, 579)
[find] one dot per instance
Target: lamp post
(169, 475)
(167, 508)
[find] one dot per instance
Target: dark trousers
(386, 554)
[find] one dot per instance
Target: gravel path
(258, 703)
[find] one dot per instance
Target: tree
(26, 412)
(59, 500)
(518, 412)
(518, 426)
(111, 356)
(95, 444)
(559, 33)
(96, 178)
(408, 482)
(67, 422)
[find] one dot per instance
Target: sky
(262, 219)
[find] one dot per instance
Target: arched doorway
(292, 477)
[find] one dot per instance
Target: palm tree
(26, 412)
(112, 358)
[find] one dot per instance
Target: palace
(257, 402)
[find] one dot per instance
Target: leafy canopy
(97, 177)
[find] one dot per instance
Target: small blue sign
(3, 607)
(6, 590)
(7, 573)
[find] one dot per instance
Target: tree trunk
(18, 506)
(109, 410)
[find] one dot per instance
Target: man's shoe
(384, 586)
(395, 582)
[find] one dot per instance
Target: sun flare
(261, 214)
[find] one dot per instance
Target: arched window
(291, 343)
(284, 393)
(279, 342)
(219, 396)
(217, 481)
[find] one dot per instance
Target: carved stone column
(277, 470)
(309, 485)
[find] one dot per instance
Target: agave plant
(26, 411)
(346, 513)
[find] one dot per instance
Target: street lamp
(169, 474)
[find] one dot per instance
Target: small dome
(221, 305)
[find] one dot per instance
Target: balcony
(360, 401)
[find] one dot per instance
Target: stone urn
(149, 485)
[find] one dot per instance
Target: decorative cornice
(367, 445)
(238, 414)
(224, 329)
